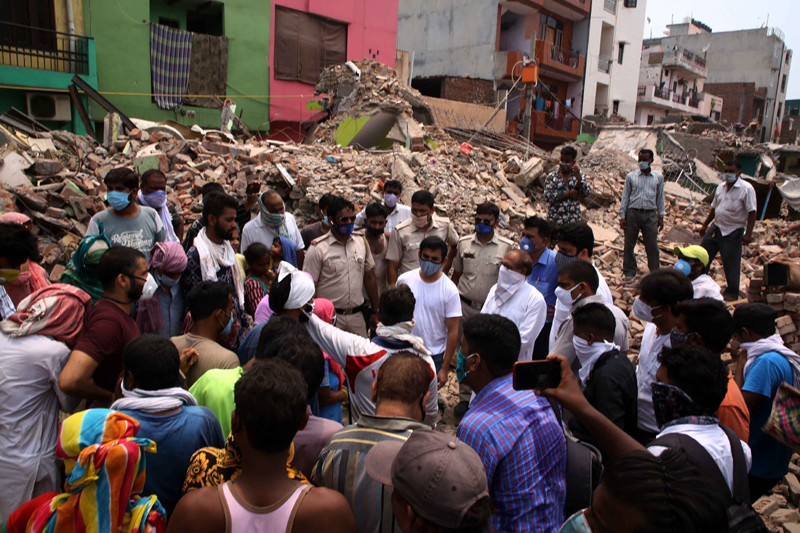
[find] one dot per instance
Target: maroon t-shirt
(108, 331)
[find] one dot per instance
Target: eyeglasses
(347, 220)
(487, 221)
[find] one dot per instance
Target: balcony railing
(610, 6)
(692, 57)
(558, 123)
(564, 56)
(36, 48)
(604, 64)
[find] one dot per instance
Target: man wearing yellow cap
(692, 261)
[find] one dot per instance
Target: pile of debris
(780, 508)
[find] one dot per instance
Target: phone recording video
(776, 275)
(537, 375)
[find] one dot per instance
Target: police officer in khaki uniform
(342, 267)
(475, 270)
(403, 253)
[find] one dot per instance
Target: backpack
(584, 468)
(742, 518)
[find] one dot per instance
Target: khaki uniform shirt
(479, 265)
(406, 237)
(338, 269)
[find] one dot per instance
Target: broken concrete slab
(12, 166)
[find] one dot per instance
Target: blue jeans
(438, 361)
(729, 248)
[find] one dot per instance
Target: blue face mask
(461, 360)
(118, 200)
(527, 245)
(483, 229)
(429, 268)
(576, 523)
(676, 338)
(683, 267)
(166, 281)
(325, 220)
(643, 165)
(227, 329)
(345, 229)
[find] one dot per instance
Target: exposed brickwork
(469, 90)
(732, 93)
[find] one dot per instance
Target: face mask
(149, 289)
(227, 329)
(118, 200)
(325, 220)
(308, 309)
(136, 291)
(461, 360)
(157, 199)
(270, 219)
(8, 275)
(746, 346)
(483, 229)
(643, 311)
(420, 221)
(374, 232)
(670, 403)
(345, 229)
(390, 200)
(565, 296)
(730, 178)
(429, 268)
(167, 281)
(527, 245)
(562, 258)
(683, 267)
(643, 165)
(508, 278)
(576, 523)
(676, 338)
(588, 352)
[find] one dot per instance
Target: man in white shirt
(575, 241)
(514, 298)
(273, 221)
(438, 308)
(398, 212)
(577, 286)
(692, 262)
(734, 214)
(659, 294)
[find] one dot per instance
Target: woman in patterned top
(564, 188)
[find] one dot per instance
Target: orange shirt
(733, 411)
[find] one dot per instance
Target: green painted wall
(123, 57)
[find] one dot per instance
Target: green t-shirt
(214, 390)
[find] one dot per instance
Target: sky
(729, 15)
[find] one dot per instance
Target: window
(674, 86)
(208, 19)
(306, 44)
(650, 118)
(172, 23)
(631, 3)
(621, 53)
(616, 107)
(34, 14)
(783, 83)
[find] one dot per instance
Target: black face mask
(374, 232)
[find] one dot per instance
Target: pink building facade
(371, 33)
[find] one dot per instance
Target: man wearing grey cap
(439, 483)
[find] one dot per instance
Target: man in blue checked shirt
(515, 433)
(642, 210)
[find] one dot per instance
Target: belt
(353, 311)
(641, 210)
(470, 303)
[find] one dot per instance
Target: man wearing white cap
(692, 262)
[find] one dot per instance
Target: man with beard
(96, 361)
(212, 258)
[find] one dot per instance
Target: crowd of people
(211, 376)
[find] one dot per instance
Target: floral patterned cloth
(211, 467)
(564, 211)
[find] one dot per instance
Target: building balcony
(569, 9)
(546, 128)
(610, 6)
(38, 49)
(686, 62)
(559, 63)
(604, 64)
(652, 96)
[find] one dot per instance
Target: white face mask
(643, 311)
(588, 354)
(508, 278)
(565, 296)
(150, 287)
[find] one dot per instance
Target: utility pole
(526, 123)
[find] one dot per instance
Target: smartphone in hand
(776, 275)
(536, 375)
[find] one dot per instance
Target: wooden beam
(78, 103)
(105, 104)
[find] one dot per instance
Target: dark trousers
(760, 486)
(438, 361)
(645, 222)
(729, 248)
(541, 347)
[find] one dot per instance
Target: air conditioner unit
(45, 106)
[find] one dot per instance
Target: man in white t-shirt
(273, 221)
(692, 262)
(734, 214)
(438, 308)
(575, 241)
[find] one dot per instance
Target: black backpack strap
(741, 487)
(694, 450)
(556, 409)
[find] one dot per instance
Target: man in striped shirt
(642, 209)
(400, 394)
(515, 433)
